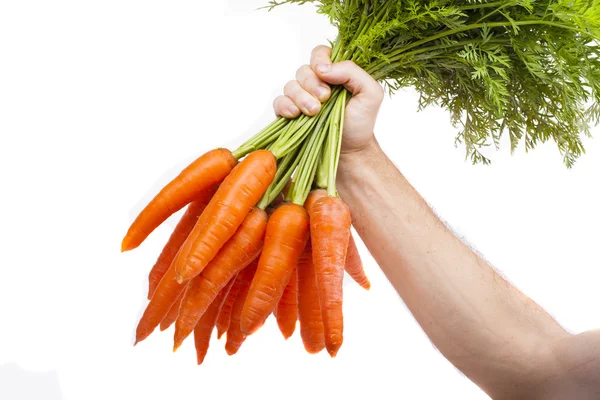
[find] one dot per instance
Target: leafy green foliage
(529, 69)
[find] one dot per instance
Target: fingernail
(324, 68)
(312, 107)
(293, 110)
(322, 92)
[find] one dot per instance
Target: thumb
(362, 85)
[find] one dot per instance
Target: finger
(355, 79)
(309, 81)
(285, 107)
(305, 101)
(320, 55)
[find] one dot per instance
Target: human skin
(493, 333)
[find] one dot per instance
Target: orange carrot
(166, 294)
(179, 235)
(285, 239)
(235, 337)
(171, 316)
(202, 174)
(354, 266)
(238, 252)
(312, 198)
(234, 199)
(224, 318)
(286, 312)
(330, 224)
(204, 328)
(309, 310)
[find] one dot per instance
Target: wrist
(359, 154)
(362, 154)
(356, 166)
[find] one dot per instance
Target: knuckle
(303, 72)
(317, 49)
(277, 102)
(320, 49)
(349, 64)
(379, 92)
(290, 87)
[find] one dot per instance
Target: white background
(102, 102)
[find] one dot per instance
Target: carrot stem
(323, 168)
(308, 164)
(263, 138)
(342, 113)
(327, 169)
(336, 143)
(288, 196)
(333, 139)
(292, 138)
(295, 136)
(285, 169)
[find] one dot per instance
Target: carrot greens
(523, 68)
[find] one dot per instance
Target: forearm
(482, 324)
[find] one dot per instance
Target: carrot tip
(287, 335)
(313, 351)
(126, 246)
(231, 351)
(176, 346)
(333, 352)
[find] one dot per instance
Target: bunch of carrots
(264, 233)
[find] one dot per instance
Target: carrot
(354, 266)
(206, 325)
(165, 296)
(179, 235)
(309, 310)
(285, 239)
(234, 199)
(235, 336)
(224, 318)
(312, 198)
(286, 312)
(330, 224)
(171, 316)
(202, 174)
(238, 252)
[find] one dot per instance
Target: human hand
(311, 88)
